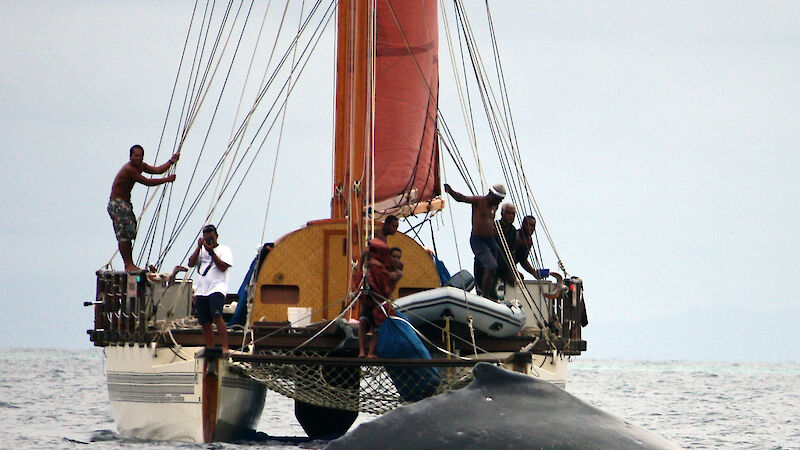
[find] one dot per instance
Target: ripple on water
(103, 435)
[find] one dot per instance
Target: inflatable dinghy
(495, 319)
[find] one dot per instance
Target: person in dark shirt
(523, 242)
(506, 229)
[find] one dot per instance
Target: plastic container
(299, 317)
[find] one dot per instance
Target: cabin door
(335, 280)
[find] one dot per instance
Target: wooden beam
(277, 335)
(340, 361)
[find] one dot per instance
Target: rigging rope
(316, 34)
(283, 118)
(198, 60)
(501, 125)
(500, 122)
(241, 98)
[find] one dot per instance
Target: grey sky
(659, 138)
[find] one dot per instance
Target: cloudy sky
(660, 140)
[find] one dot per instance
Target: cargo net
(364, 388)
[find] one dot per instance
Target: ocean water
(58, 399)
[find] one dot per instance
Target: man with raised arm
(482, 240)
(119, 204)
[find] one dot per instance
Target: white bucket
(299, 317)
(230, 308)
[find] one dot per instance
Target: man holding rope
(119, 204)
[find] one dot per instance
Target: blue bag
(396, 339)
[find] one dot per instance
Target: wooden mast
(353, 129)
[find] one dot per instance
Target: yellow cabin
(309, 268)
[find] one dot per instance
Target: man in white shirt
(213, 261)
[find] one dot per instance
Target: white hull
(157, 395)
(546, 368)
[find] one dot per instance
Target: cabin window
(280, 294)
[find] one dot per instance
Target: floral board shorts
(121, 213)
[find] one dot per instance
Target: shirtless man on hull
(119, 204)
(482, 240)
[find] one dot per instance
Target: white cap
(498, 190)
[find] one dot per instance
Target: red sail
(406, 93)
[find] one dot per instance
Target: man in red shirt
(380, 275)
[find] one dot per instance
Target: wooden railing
(120, 311)
(570, 310)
